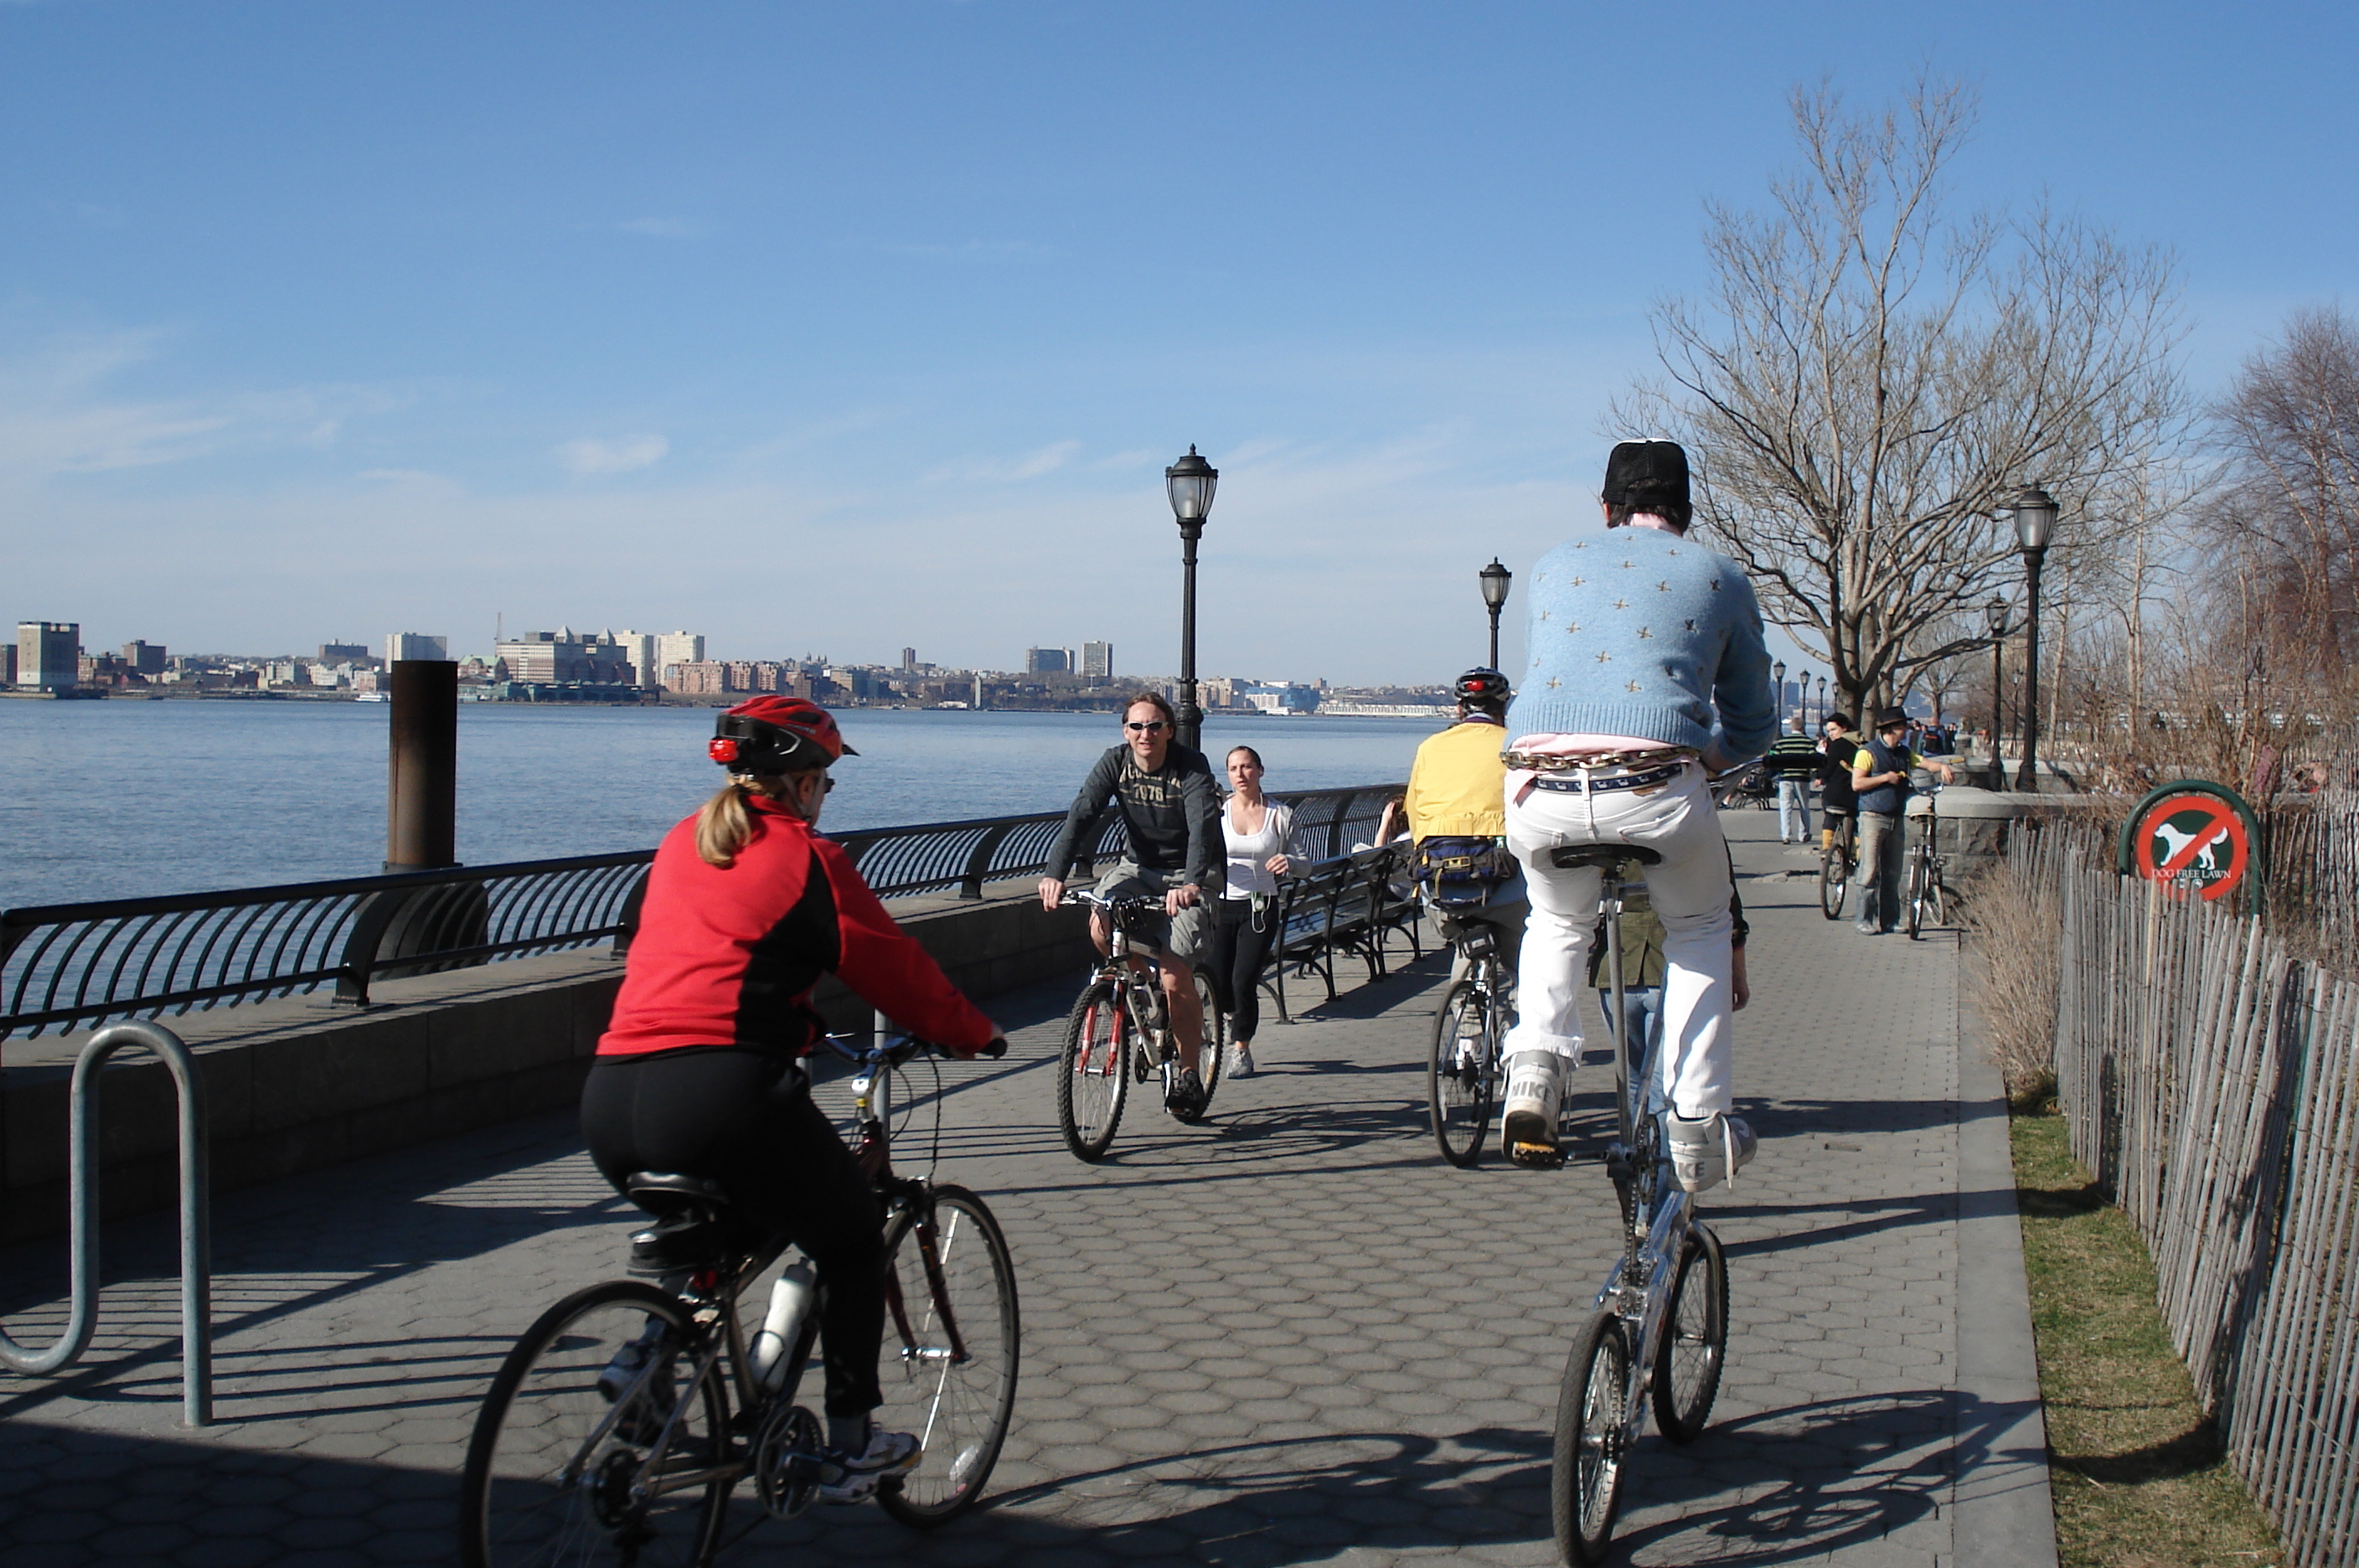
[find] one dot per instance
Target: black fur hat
(1641, 471)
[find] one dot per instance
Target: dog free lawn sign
(2194, 837)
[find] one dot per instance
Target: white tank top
(1249, 853)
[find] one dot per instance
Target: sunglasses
(1149, 728)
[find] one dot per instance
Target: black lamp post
(1802, 695)
(1190, 482)
(1995, 615)
(1822, 701)
(1778, 703)
(1495, 579)
(2035, 518)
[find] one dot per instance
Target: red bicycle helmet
(776, 734)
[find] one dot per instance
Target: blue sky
(838, 328)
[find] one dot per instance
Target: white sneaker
(1241, 1061)
(1534, 1087)
(1706, 1152)
(852, 1478)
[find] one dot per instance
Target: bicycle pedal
(1537, 1156)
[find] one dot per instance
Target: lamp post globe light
(1802, 695)
(1995, 616)
(1822, 700)
(2034, 512)
(1495, 579)
(1190, 483)
(1777, 702)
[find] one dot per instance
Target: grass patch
(2136, 1468)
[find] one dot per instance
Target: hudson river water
(121, 798)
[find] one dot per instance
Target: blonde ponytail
(725, 825)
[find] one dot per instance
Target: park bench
(1341, 907)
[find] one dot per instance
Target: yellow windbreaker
(1458, 786)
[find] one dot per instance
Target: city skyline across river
(126, 799)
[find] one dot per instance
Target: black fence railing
(64, 965)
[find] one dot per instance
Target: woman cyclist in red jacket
(699, 1073)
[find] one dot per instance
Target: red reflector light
(722, 749)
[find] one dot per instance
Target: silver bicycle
(1658, 1331)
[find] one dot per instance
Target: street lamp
(1190, 482)
(1495, 579)
(2035, 518)
(1995, 615)
(1802, 695)
(1777, 704)
(1823, 701)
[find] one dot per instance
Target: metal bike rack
(196, 1227)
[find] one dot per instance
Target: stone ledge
(302, 1082)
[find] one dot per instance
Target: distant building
(1277, 696)
(48, 655)
(678, 647)
(1097, 658)
(344, 652)
(7, 664)
(909, 660)
(563, 657)
(399, 645)
(1047, 661)
(647, 661)
(144, 658)
(698, 678)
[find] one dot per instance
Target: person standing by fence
(1879, 777)
(1257, 830)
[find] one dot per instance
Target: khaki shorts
(1179, 936)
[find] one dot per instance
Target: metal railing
(67, 965)
(196, 1221)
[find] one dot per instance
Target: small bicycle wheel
(1834, 881)
(1216, 1038)
(562, 1468)
(957, 1405)
(1461, 1074)
(1912, 901)
(1092, 1078)
(1695, 1338)
(1585, 1481)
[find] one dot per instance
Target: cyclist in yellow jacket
(1457, 812)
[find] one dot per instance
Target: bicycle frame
(1660, 1211)
(1117, 967)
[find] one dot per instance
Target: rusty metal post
(421, 783)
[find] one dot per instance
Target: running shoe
(1707, 1151)
(1241, 1064)
(1535, 1089)
(853, 1478)
(1185, 1100)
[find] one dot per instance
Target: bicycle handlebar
(893, 1050)
(1136, 902)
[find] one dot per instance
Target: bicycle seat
(693, 1227)
(1603, 856)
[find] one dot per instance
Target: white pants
(1690, 893)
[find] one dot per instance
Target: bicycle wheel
(555, 1476)
(1912, 901)
(1092, 1078)
(958, 1408)
(1585, 1481)
(1695, 1339)
(1834, 881)
(1459, 1080)
(1216, 1038)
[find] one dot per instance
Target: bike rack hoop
(196, 1227)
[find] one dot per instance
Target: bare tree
(1869, 378)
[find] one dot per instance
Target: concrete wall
(298, 1083)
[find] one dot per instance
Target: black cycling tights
(737, 1118)
(1240, 944)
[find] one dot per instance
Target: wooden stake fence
(2211, 1080)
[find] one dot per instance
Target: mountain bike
(617, 1428)
(1836, 862)
(1120, 1030)
(1924, 896)
(1468, 1064)
(1658, 1332)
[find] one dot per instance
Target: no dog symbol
(2194, 841)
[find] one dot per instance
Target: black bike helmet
(1484, 689)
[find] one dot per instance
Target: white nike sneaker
(852, 1478)
(1710, 1151)
(1535, 1089)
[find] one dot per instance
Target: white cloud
(591, 458)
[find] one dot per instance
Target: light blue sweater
(1639, 632)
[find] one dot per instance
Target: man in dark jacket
(1172, 812)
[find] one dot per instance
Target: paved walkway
(1292, 1335)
